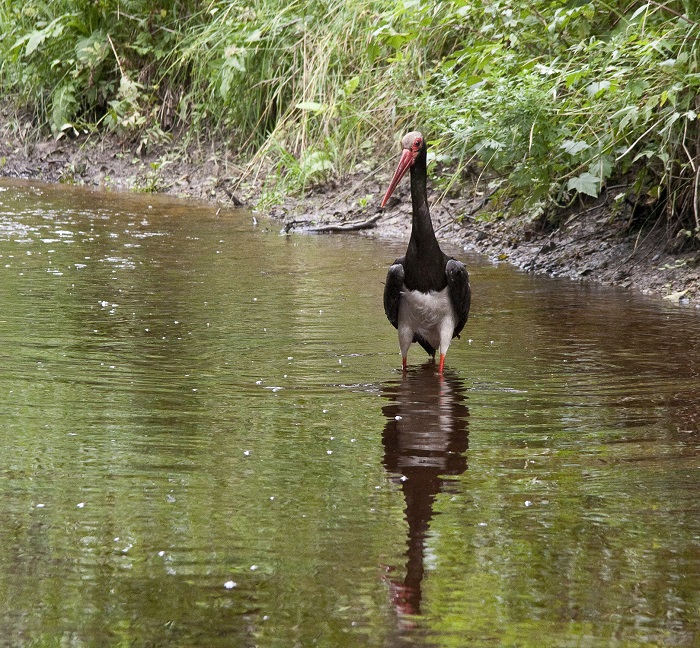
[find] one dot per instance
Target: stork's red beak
(408, 157)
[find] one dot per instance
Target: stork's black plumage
(427, 293)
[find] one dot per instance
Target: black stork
(427, 294)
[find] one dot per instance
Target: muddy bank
(207, 174)
(592, 245)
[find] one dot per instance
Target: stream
(207, 440)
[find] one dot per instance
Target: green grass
(552, 101)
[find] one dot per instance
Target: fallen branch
(346, 227)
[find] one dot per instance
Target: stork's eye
(417, 143)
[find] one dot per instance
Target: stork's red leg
(442, 362)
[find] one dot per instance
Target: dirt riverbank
(592, 245)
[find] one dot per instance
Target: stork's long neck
(422, 226)
(425, 262)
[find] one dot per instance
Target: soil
(595, 243)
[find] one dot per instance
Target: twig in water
(347, 227)
(305, 226)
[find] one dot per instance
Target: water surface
(206, 441)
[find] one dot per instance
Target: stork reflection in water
(425, 440)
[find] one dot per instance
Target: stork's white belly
(430, 315)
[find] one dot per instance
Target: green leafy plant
(609, 88)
